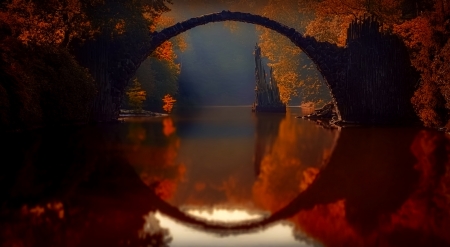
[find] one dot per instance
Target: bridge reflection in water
(136, 183)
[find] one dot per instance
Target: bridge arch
(324, 55)
(371, 79)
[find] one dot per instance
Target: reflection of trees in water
(267, 126)
(90, 217)
(83, 225)
(381, 187)
(291, 155)
(371, 193)
(392, 196)
(155, 162)
(74, 188)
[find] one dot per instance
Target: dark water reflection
(225, 177)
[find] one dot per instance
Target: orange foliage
(165, 52)
(337, 15)
(168, 103)
(417, 34)
(156, 165)
(284, 170)
(54, 23)
(281, 52)
(426, 35)
(428, 39)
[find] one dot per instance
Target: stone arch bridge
(370, 79)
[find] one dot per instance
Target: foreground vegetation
(57, 56)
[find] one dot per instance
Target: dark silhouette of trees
(46, 46)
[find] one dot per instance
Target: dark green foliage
(41, 85)
(165, 81)
(118, 48)
(136, 95)
(158, 78)
(66, 87)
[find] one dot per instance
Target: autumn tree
(332, 18)
(295, 72)
(107, 37)
(424, 27)
(154, 155)
(118, 48)
(52, 22)
(159, 72)
(169, 101)
(41, 82)
(428, 38)
(136, 95)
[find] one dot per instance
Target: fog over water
(218, 66)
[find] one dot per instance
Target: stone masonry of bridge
(370, 79)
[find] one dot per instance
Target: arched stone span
(371, 79)
(326, 56)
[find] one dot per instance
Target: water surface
(223, 176)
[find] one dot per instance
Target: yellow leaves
(288, 82)
(168, 103)
(283, 56)
(136, 95)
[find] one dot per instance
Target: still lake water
(224, 176)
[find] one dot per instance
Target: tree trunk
(95, 55)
